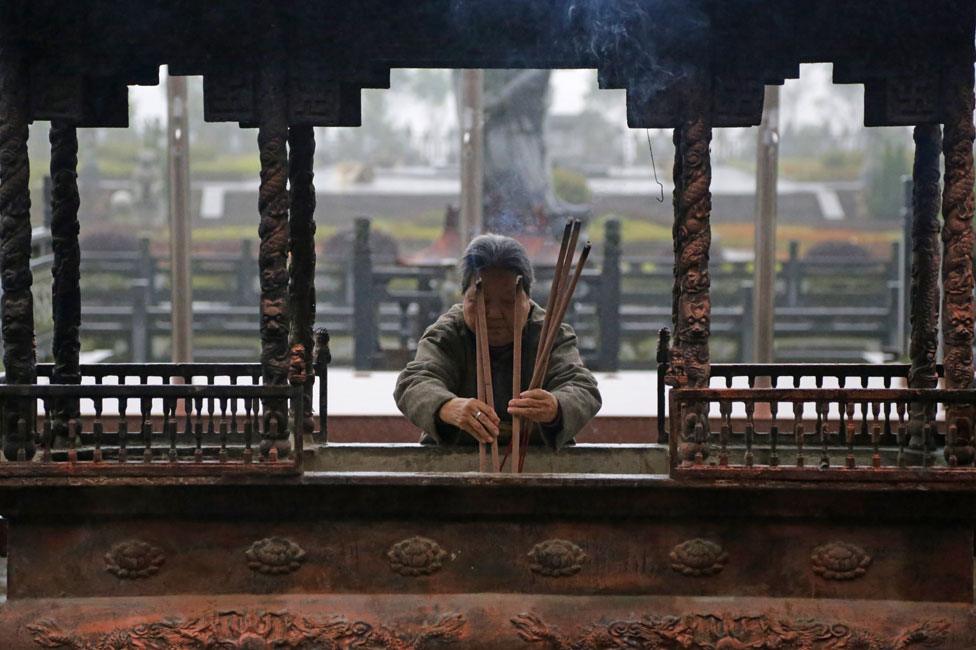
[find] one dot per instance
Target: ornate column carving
(273, 253)
(926, 256)
(957, 258)
(17, 304)
(66, 272)
(675, 241)
(301, 270)
(690, 365)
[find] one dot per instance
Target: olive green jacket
(444, 368)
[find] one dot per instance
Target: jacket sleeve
(573, 386)
(430, 380)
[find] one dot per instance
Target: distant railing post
(898, 307)
(903, 266)
(147, 269)
(139, 336)
(663, 345)
(363, 307)
(609, 301)
(793, 275)
(746, 343)
(323, 357)
(245, 274)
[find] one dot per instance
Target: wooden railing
(783, 375)
(805, 433)
(157, 419)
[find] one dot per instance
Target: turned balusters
(146, 419)
(222, 454)
(250, 413)
(848, 426)
(902, 433)
(798, 432)
(725, 407)
(821, 429)
(750, 407)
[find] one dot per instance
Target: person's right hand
(472, 416)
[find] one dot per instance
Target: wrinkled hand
(461, 411)
(538, 405)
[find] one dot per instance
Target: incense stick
(484, 366)
(479, 371)
(515, 446)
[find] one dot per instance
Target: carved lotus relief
(840, 561)
(698, 557)
(274, 556)
(416, 556)
(556, 558)
(133, 559)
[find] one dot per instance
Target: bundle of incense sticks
(564, 283)
(486, 392)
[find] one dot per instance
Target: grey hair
(486, 251)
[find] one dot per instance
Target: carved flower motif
(274, 556)
(698, 557)
(133, 559)
(416, 556)
(840, 561)
(556, 557)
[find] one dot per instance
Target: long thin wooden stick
(560, 279)
(517, 373)
(479, 314)
(485, 358)
(561, 261)
(564, 299)
(550, 330)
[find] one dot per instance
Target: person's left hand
(538, 405)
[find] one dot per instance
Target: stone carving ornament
(416, 556)
(840, 561)
(724, 631)
(698, 557)
(232, 630)
(274, 556)
(556, 558)
(134, 558)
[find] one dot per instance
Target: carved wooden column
(301, 270)
(957, 258)
(690, 365)
(273, 252)
(66, 290)
(17, 304)
(925, 255)
(675, 241)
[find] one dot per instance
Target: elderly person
(437, 390)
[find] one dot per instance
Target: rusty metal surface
(689, 358)
(301, 268)
(273, 205)
(483, 621)
(556, 555)
(66, 270)
(926, 257)
(66, 293)
(958, 303)
(17, 302)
